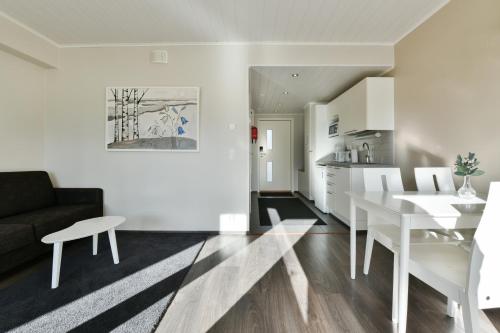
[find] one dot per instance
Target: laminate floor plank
(279, 282)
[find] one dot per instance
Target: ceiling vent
(159, 57)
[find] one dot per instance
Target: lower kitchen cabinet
(339, 181)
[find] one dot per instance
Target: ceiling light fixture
(295, 74)
(285, 92)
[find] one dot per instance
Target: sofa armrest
(75, 196)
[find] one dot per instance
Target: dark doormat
(276, 194)
(94, 295)
(287, 209)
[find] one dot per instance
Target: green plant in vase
(467, 167)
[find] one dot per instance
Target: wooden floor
(295, 279)
(297, 283)
(282, 281)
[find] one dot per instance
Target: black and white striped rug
(94, 295)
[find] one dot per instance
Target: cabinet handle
(329, 192)
(337, 168)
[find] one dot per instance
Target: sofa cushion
(25, 191)
(15, 236)
(55, 218)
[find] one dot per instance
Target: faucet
(368, 155)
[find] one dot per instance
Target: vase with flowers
(467, 167)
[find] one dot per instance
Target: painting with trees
(152, 118)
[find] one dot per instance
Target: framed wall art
(152, 118)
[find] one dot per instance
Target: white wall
(298, 148)
(27, 44)
(170, 191)
(253, 154)
(447, 90)
(22, 92)
(154, 190)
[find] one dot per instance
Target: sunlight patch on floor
(298, 278)
(210, 296)
(233, 223)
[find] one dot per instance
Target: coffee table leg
(95, 240)
(114, 248)
(56, 264)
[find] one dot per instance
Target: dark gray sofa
(30, 208)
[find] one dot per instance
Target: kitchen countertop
(356, 165)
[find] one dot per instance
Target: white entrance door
(275, 157)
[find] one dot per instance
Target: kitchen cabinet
(322, 145)
(330, 189)
(343, 184)
(369, 105)
(306, 178)
(320, 188)
(315, 128)
(340, 180)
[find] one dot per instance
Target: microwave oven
(333, 128)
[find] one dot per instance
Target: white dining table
(412, 210)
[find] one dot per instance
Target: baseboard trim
(210, 233)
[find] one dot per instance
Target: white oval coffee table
(82, 229)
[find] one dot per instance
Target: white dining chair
(383, 179)
(434, 179)
(440, 179)
(389, 235)
(471, 278)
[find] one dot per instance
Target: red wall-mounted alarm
(254, 134)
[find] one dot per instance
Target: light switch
(232, 126)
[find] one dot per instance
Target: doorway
(275, 155)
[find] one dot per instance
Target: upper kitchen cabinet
(369, 105)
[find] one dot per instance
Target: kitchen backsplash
(382, 146)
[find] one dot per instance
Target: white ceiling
(206, 21)
(314, 84)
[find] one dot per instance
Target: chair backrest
(383, 179)
(484, 270)
(434, 179)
